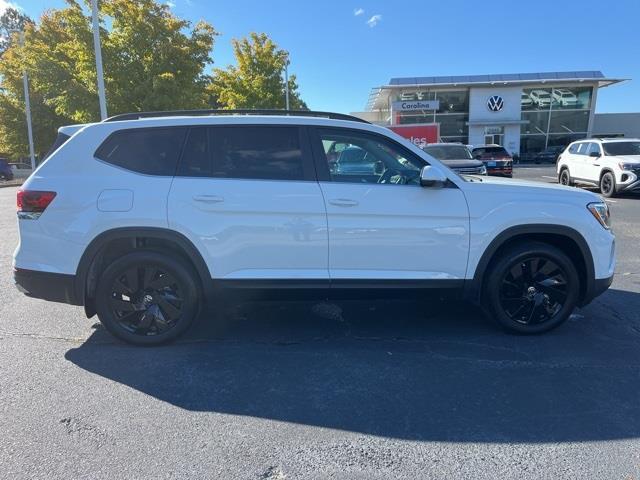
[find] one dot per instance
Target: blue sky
(338, 55)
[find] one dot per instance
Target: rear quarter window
(152, 151)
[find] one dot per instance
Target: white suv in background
(612, 164)
(142, 218)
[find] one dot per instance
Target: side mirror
(430, 177)
(594, 155)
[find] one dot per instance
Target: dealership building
(524, 112)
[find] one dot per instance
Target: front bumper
(600, 285)
(54, 287)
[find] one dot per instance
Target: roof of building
(593, 76)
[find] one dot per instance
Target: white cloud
(373, 21)
(356, 12)
(4, 4)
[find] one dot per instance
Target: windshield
(489, 150)
(621, 148)
(449, 152)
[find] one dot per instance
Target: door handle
(596, 164)
(208, 198)
(343, 202)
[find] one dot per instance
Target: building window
(538, 123)
(453, 101)
(575, 121)
(453, 124)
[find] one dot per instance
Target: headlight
(600, 211)
(628, 166)
(482, 170)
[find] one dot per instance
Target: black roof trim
(178, 113)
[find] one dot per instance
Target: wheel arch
(127, 239)
(567, 239)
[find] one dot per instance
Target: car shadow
(426, 371)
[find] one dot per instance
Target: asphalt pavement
(400, 389)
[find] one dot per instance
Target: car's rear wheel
(147, 298)
(532, 288)
(564, 178)
(608, 185)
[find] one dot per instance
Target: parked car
(548, 155)
(6, 173)
(457, 157)
(525, 100)
(496, 158)
(565, 97)
(541, 98)
(164, 210)
(354, 160)
(611, 164)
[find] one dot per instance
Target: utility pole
(286, 82)
(98, 52)
(27, 105)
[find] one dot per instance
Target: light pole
(286, 82)
(27, 107)
(98, 52)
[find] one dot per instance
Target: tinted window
(490, 150)
(448, 152)
(153, 151)
(574, 148)
(622, 148)
(593, 147)
(582, 148)
(58, 142)
(270, 153)
(196, 158)
(368, 158)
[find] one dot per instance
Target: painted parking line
(610, 201)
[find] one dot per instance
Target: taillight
(31, 203)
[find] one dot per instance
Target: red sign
(419, 135)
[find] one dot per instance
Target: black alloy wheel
(608, 185)
(147, 298)
(531, 288)
(565, 178)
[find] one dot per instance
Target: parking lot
(321, 389)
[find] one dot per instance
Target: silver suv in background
(457, 157)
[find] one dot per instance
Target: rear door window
(258, 152)
(152, 151)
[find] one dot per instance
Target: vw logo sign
(495, 103)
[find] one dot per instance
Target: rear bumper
(500, 171)
(54, 287)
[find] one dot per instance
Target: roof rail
(177, 113)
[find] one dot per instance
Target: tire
(537, 301)
(608, 185)
(565, 178)
(147, 298)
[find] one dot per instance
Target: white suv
(611, 164)
(141, 218)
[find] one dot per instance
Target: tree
(11, 21)
(256, 79)
(152, 61)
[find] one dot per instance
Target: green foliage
(11, 22)
(150, 63)
(257, 79)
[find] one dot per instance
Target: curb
(10, 184)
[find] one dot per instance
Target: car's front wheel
(608, 185)
(532, 288)
(564, 178)
(147, 298)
